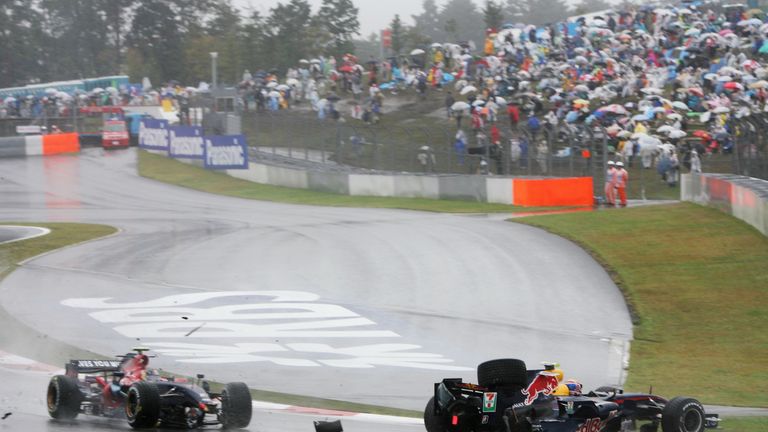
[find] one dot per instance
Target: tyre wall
(39, 145)
(743, 197)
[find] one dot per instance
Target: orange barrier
(575, 191)
(61, 143)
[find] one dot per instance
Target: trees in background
(47, 40)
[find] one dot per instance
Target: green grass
(696, 279)
(169, 171)
(744, 424)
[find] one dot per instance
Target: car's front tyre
(63, 397)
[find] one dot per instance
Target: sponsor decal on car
(489, 402)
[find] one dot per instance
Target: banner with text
(153, 134)
(226, 152)
(186, 142)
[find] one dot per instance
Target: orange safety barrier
(575, 191)
(61, 143)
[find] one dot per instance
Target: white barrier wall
(372, 185)
(417, 186)
(743, 197)
(500, 190)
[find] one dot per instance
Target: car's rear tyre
(433, 422)
(63, 397)
(683, 414)
(236, 406)
(142, 405)
(502, 372)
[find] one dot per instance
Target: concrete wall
(332, 182)
(372, 185)
(417, 186)
(743, 197)
(463, 187)
(500, 190)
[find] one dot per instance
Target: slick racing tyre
(63, 397)
(434, 423)
(683, 414)
(142, 405)
(236, 406)
(502, 372)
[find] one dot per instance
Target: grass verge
(169, 171)
(744, 424)
(697, 280)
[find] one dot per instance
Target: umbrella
(658, 110)
(460, 106)
(674, 116)
(721, 110)
(692, 32)
(581, 88)
(696, 91)
(750, 22)
(478, 102)
(436, 45)
(97, 90)
(705, 117)
(665, 129)
(304, 61)
(51, 90)
(111, 90)
(640, 117)
(417, 51)
(702, 134)
(10, 99)
(710, 76)
(292, 81)
(274, 94)
(724, 78)
(501, 101)
(759, 84)
(613, 109)
(676, 134)
(680, 105)
(733, 86)
(651, 90)
(283, 87)
(468, 89)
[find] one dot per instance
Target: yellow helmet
(562, 390)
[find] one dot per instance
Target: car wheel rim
(692, 421)
(53, 396)
(131, 404)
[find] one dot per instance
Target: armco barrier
(743, 197)
(34, 145)
(548, 192)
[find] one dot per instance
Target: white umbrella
(283, 87)
(468, 89)
(97, 90)
(651, 90)
(274, 93)
(460, 106)
(304, 61)
(501, 101)
(676, 134)
(10, 99)
(750, 22)
(63, 96)
(721, 110)
(724, 78)
(417, 51)
(436, 45)
(658, 110)
(478, 102)
(51, 90)
(759, 84)
(111, 90)
(680, 105)
(665, 129)
(640, 117)
(292, 81)
(315, 61)
(705, 117)
(272, 84)
(674, 116)
(692, 32)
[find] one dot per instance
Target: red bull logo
(544, 383)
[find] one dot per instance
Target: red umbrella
(696, 91)
(733, 86)
(702, 134)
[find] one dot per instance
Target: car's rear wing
(75, 367)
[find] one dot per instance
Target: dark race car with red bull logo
(127, 388)
(511, 398)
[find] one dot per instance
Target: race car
(511, 398)
(127, 388)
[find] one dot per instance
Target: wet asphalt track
(383, 302)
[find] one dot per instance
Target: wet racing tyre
(502, 372)
(142, 405)
(236, 406)
(683, 414)
(63, 397)
(434, 423)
